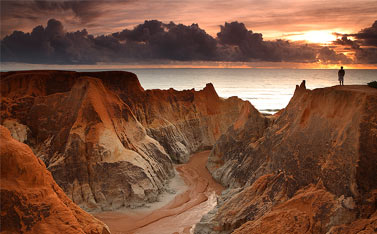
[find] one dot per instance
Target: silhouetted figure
(341, 74)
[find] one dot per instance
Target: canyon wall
(184, 122)
(31, 201)
(108, 142)
(311, 168)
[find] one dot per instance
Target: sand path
(181, 213)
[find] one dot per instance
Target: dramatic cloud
(368, 56)
(251, 45)
(171, 41)
(235, 33)
(53, 45)
(156, 41)
(368, 36)
(152, 40)
(364, 45)
(327, 55)
(347, 42)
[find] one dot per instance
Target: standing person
(341, 74)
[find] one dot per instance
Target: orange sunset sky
(239, 33)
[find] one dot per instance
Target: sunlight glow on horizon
(321, 37)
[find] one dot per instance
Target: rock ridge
(303, 170)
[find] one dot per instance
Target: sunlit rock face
(186, 121)
(107, 141)
(311, 168)
(31, 201)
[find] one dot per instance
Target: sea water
(269, 90)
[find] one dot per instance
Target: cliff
(186, 121)
(108, 142)
(311, 168)
(31, 201)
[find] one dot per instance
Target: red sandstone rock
(107, 141)
(186, 121)
(311, 210)
(31, 201)
(320, 155)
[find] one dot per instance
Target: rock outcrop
(108, 142)
(31, 201)
(311, 168)
(184, 122)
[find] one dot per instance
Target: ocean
(269, 90)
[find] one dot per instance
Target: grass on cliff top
(373, 84)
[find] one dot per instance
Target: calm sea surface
(267, 89)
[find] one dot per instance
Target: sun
(322, 37)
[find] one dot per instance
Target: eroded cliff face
(31, 201)
(186, 121)
(107, 141)
(312, 168)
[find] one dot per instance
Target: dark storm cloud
(172, 41)
(368, 36)
(235, 33)
(364, 45)
(48, 45)
(347, 42)
(142, 32)
(368, 56)
(182, 42)
(327, 55)
(153, 41)
(250, 45)
(148, 41)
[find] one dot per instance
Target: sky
(312, 33)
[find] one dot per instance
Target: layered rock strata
(108, 142)
(31, 201)
(311, 168)
(184, 122)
